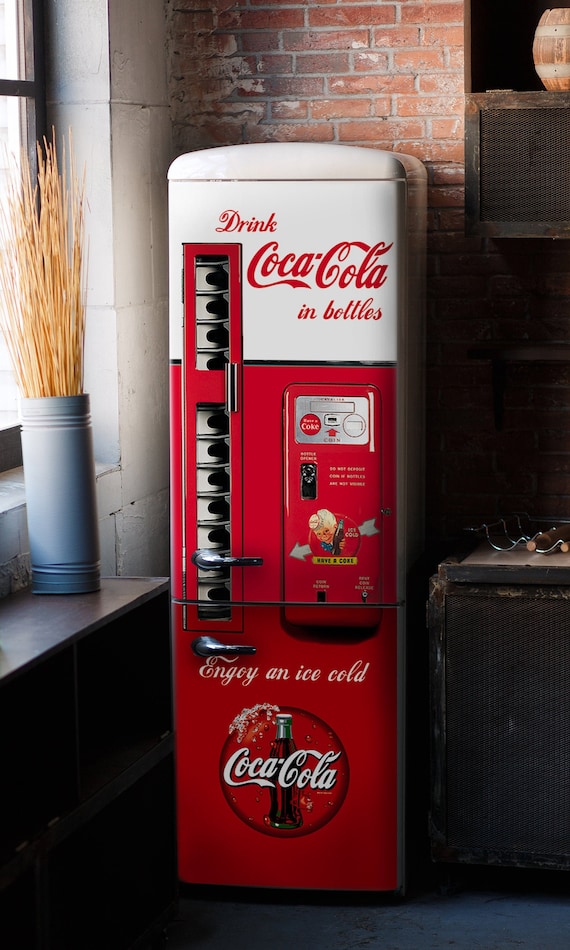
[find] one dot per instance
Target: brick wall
(390, 75)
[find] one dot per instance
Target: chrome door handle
(208, 646)
(210, 560)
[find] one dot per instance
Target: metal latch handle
(232, 399)
(208, 646)
(209, 560)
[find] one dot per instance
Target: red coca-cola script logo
(285, 787)
(346, 264)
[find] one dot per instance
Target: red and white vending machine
(297, 479)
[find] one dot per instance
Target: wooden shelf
(88, 765)
(498, 44)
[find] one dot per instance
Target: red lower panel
(319, 812)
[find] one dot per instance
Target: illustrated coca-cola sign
(283, 771)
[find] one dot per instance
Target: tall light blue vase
(59, 475)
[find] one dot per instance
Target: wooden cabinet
(499, 625)
(87, 847)
(517, 135)
(517, 164)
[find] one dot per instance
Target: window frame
(33, 89)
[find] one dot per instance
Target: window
(22, 123)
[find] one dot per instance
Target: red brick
(457, 287)
(550, 438)
(441, 83)
(197, 56)
(375, 130)
(436, 152)
(278, 65)
(347, 15)
(456, 59)
(471, 264)
(444, 36)
(448, 174)
(431, 12)
(203, 21)
(327, 63)
(259, 42)
(429, 105)
(446, 197)
(554, 285)
(418, 61)
(339, 108)
(289, 110)
(327, 39)
(238, 18)
(301, 132)
(398, 37)
(453, 220)
(356, 85)
(505, 285)
(289, 86)
(449, 242)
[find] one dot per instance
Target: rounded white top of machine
(293, 161)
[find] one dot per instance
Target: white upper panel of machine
(324, 244)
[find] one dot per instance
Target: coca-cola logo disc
(283, 771)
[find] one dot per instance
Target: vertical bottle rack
(212, 310)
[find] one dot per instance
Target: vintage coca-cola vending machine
(296, 290)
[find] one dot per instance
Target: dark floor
(472, 908)
(458, 907)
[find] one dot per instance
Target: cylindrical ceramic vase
(59, 475)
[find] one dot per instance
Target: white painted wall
(107, 83)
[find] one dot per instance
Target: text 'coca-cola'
(352, 264)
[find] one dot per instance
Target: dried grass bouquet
(42, 313)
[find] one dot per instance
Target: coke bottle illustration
(284, 811)
(338, 538)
